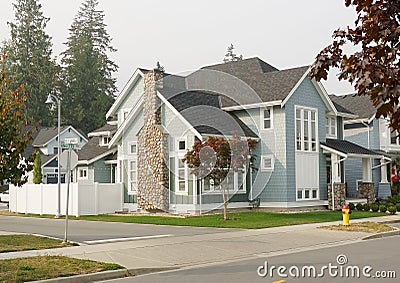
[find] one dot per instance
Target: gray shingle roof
(359, 105)
(341, 109)
(202, 111)
(348, 147)
(268, 82)
(92, 149)
(105, 128)
(46, 134)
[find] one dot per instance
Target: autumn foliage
(15, 135)
(374, 70)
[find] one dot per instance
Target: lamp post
(50, 100)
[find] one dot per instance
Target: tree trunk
(225, 202)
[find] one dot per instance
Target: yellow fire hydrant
(346, 215)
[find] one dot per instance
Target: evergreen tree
(37, 169)
(230, 55)
(29, 58)
(90, 87)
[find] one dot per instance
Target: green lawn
(46, 267)
(243, 220)
(13, 243)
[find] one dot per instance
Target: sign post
(69, 160)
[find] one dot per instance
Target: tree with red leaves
(374, 70)
(216, 157)
(14, 133)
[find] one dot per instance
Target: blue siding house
(299, 130)
(374, 134)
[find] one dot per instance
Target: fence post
(96, 198)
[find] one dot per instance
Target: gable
(129, 94)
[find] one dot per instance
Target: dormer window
(105, 140)
(331, 129)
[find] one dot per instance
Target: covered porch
(337, 152)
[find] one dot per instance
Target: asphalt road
(95, 232)
(381, 254)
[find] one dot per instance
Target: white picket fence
(84, 199)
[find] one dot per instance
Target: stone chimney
(153, 151)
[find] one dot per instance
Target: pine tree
(230, 55)
(37, 169)
(29, 61)
(90, 87)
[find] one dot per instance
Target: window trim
(303, 192)
(177, 141)
(177, 181)
(329, 120)
(267, 169)
(215, 189)
(130, 147)
(262, 119)
(310, 142)
(131, 189)
(84, 169)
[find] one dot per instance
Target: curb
(382, 235)
(105, 275)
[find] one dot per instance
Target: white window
(267, 162)
(133, 175)
(235, 181)
(132, 148)
(266, 118)
(394, 138)
(182, 177)
(181, 144)
(307, 194)
(83, 173)
(331, 127)
(105, 140)
(306, 129)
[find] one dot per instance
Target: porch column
(383, 171)
(335, 168)
(367, 170)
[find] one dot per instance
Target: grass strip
(242, 220)
(46, 267)
(15, 243)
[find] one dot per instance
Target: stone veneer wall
(366, 190)
(339, 191)
(153, 172)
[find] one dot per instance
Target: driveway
(93, 232)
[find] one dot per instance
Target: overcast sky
(185, 35)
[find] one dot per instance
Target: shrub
(393, 199)
(375, 207)
(398, 207)
(392, 209)
(367, 207)
(382, 208)
(352, 206)
(359, 206)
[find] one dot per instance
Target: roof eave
(135, 76)
(252, 106)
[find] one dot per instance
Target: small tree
(15, 136)
(216, 157)
(37, 169)
(374, 68)
(230, 55)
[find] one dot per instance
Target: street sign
(70, 141)
(64, 159)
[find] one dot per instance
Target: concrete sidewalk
(186, 251)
